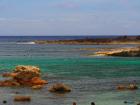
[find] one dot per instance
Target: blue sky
(69, 17)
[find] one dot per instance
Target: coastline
(91, 78)
(94, 41)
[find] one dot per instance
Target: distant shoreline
(94, 41)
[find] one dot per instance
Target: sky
(69, 17)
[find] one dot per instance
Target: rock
(60, 88)
(129, 102)
(4, 102)
(22, 98)
(92, 103)
(24, 76)
(132, 87)
(9, 74)
(27, 68)
(38, 81)
(138, 104)
(26, 72)
(9, 83)
(123, 52)
(74, 103)
(37, 87)
(121, 87)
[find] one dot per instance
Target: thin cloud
(66, 5)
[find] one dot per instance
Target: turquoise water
(101, 67)
(91, 78)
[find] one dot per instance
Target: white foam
(26, 43)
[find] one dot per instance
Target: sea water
(92, 78)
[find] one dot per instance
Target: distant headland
(96, 41)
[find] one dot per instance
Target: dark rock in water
(92, 103)
(4, 101)
(125, 102)
(60, 88)
(128, 102)
(22, 98)
(138, 104)
(74, 103)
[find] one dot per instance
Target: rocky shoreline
(122, 52)
(95, 41)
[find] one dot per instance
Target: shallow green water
(91, 78)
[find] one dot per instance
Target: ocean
(92, 78)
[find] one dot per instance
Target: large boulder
(60, 88)
(24, 76)
(26, 72)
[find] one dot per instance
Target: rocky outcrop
(22, 98)
(30, 76)
(24, 76)
(94, 41)
(9, 83)
(132, 87)
(129, 87)
(60, 88)
(123, 52)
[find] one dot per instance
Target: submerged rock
(60, 88)
(22, 98)
(129, 87)
(121, 87)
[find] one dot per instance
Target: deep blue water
(31, 38)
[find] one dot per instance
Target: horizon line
(77, 35)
